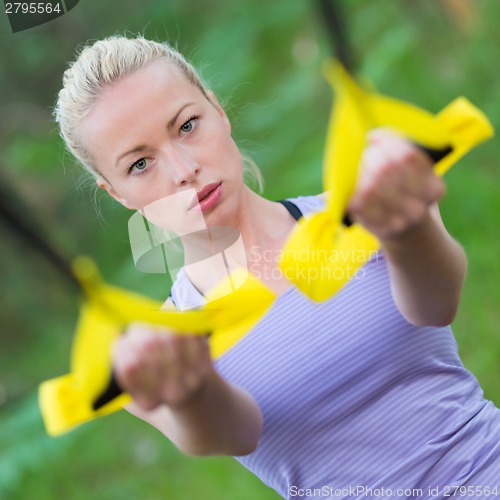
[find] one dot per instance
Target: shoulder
(312, 203)
(183, 294)
(323, 197)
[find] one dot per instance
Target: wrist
(414, 235)
(198, 395)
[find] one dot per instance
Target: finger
(426, 186)
(141, 365)
(373, 215)
(196, 357)
(399, 147)
(409, 170)
(177, 370)
(378, 189)
(380, 134)
(130, 375)
(198, 351)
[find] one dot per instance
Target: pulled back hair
(104, 63)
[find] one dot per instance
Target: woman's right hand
(177, 389)
(158, 367)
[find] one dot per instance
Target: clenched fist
(396, 186)
(158, 367)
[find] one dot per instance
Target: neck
(262, 223)
(265, 226)
(253, 236)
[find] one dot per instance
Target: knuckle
(150, 343)
(366, 195)
(408, 155)
(177, 340)
(398, 224)
(171, 342)
(129, 370)
(384, 169)
(417, 213)
(387, 170)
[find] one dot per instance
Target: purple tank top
(357, 402)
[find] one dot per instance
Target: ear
(213, 99)
(109, 189)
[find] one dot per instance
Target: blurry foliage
(263, 60)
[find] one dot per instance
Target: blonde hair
(106, 62)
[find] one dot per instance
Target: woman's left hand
(395, 188)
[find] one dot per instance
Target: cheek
(142, 192)
(217, 135)
(226, 151)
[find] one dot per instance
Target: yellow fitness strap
(322, 254)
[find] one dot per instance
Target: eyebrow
(142, 147)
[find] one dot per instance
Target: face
(163, 147)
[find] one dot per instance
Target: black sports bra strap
(297, 214)
(292, 208)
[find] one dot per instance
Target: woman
(365, 390)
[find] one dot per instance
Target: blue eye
(138, 166)
(189, 125)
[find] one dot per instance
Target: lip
(208, 197)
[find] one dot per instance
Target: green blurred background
(263, 60)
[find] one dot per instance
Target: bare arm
(177, 390)
(427, 268)
(220, 419)
(396, 199)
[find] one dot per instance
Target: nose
(184, 168)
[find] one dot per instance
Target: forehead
(157, 90)
(157, 78)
